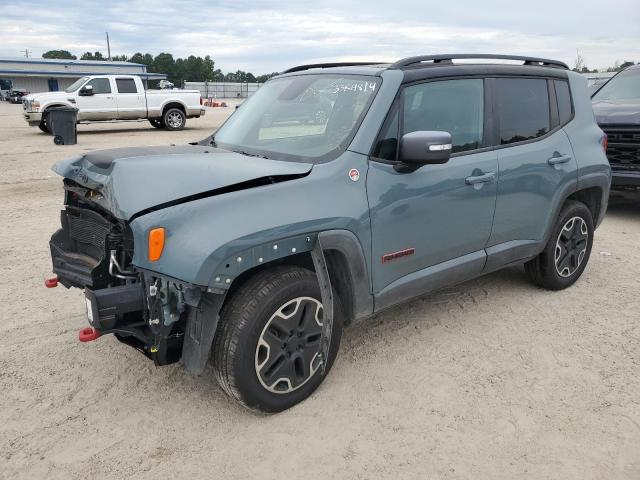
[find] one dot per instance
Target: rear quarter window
(563, 95)
(523, 109)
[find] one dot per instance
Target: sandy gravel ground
(492, 379)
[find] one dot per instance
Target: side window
(100, 85)
(454, 106)
(126, 85)
(523, 108)
(387, 146)
(564, 101)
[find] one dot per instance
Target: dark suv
(260, 243)
(617, 109)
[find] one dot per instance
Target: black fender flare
(345, 258)
(602, 180)
(596, 179)
(351, 272)
(354, 269)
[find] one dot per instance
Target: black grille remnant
(623, 150)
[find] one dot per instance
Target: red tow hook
(88, 334)
(51, 282)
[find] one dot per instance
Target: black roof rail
(447, 59)
(301, 68)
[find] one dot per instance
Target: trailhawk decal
(396, 255)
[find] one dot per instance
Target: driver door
(99, 106)
(432, 224)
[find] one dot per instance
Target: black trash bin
(63, 123)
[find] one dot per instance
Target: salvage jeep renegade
(258, 244)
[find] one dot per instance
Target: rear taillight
(605, 143)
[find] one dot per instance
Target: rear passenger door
(535, 158)
(131, 99)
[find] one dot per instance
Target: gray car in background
(617, 109)
(258, 245)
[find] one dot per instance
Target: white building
(46, 75)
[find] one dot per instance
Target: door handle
(484, 178)
(558, 159)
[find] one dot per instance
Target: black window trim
(491, 140)
(573, 110)
(398, 105)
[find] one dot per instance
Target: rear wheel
(174, 119)
(156, 122)
(566, 255)
(267, 350)
(44, 123)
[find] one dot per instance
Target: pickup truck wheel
(156, 122)
(566, 255)
(174, 119)
(44, 123)
(267, 348)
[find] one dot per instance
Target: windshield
(308, 116)
(76, 85)
(624, 86)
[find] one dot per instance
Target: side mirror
(86, 91)
(423, 148)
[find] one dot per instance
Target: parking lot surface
(491, 379)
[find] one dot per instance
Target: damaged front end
(93, 250)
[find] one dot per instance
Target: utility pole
(108, 47)
(26, 52)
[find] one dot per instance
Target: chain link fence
(223, 89)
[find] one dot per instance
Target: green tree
(266, 76)
(164, 63)
(619, 66)
(92, 56)
(60, 54)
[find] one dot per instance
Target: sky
(267, 36)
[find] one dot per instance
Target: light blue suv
(257, 245)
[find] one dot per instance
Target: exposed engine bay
(93, 251)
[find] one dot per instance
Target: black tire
(58, 140)
(244, 321)
(559, 265)
(44, 123)
(157, 122)
(174, 119)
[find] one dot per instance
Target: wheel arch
(592, 190)
(347, 270)
(49, 106)
(173, 104)
(345, 260)
(591, 197)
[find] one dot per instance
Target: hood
(48, 96)
(134, 181)
(617, 112)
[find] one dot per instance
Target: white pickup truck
(116, 97)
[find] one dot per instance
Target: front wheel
(174, 119)
(44, 123)
(567, 252)
(267, 350)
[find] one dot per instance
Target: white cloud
(263, 36)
